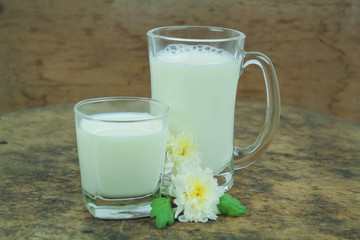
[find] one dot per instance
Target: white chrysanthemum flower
(181, 153)
(196, 194)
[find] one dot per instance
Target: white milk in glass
(199, 84)
(119, 160)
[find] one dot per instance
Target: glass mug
(195, 70)
(121, 144)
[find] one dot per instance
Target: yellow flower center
(183, 145)
(196, 191)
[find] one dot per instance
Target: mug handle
(245, 156)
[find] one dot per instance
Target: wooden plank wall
(61, 51)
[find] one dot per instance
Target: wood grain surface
(306, 186)
(64, 51)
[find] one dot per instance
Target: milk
(119, 160)
(199, 84)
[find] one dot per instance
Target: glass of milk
(121, 146)
(195, 70)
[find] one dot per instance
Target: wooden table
(306, 186)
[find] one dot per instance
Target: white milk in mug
(121, 160)
(199, 84)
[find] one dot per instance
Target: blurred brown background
(61, 51)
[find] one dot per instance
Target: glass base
(225, 177)
(128, 208)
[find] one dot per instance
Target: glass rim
(151, 33)
(119, 99)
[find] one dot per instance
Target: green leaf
(231, 206)
(162, 210)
